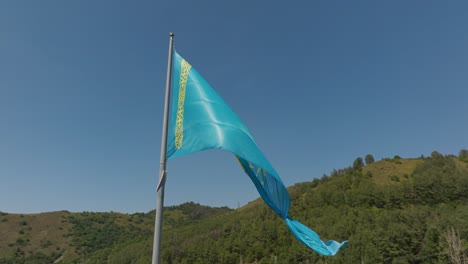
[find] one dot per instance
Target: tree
(369, 159)
(358, 163)
(456, 251)
(463, 155)
(436, 155)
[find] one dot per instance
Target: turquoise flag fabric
(200, 120)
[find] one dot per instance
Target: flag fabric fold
(201, 120)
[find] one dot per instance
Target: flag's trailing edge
(200, 120)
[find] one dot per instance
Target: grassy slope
(385, 171)
(46, 232)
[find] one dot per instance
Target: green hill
(391, 211)
(71, 237)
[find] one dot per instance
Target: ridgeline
(391, 211)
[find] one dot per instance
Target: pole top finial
(171, 34)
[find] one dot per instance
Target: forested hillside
(391, 211)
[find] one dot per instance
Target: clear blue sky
(318, 83)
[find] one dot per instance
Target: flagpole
(162, 164)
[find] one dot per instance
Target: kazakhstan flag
(200, 120)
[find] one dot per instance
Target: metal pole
(162, 164)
